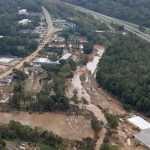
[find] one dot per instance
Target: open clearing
(70, 127)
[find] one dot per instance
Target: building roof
(139, 122)
(24, 21)
(45, 61)
(5, 60)
(5, 81)
(144, 137)
(66, 56)
(22, 11)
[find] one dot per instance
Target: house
(5, 60)
(24, 22)
(23, 12)
(44, 61)
(66, 56)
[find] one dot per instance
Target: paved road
(111, 19)
(51, 30)
(50, 26)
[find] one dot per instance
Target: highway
(51, 31)
(108, 19)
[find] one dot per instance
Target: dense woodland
(13, 42)
(125, 71)
(136, 11)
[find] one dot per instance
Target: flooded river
(92, 65)
(75, 84)
(71, 127)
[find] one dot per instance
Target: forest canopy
(124, 71)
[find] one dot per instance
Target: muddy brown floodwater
(70, 127)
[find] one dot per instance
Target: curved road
(111, 19)
(51, 31)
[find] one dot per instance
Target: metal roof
(45, 61)
(4, 60)
(139, 122)
(144, 137)
(66, 56)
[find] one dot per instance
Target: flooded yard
(82, 92)
(70, 127)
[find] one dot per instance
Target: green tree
(88, 48)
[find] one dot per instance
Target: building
(24, 22)
(5, 81)
(64, 23)
(5, 60)
(144, 126)
(44, 61)
(66, 56)
(57, 40)
(23, 12)
(144, 137)
(139, 122)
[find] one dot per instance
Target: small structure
(139, 122)
(44, 61)
(63, 23)
(57, 40)
(144, 137)
(66, 56)
(5, 81)
(57, 45)
(24, 22)
(23, 12)
(5, 60)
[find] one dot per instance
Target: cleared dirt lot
(70, 127)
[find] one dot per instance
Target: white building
(5, 60)
(42, 61)
(144, 137)
(24, 21)
(139, 122)
(23, 12)
(66, 56)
